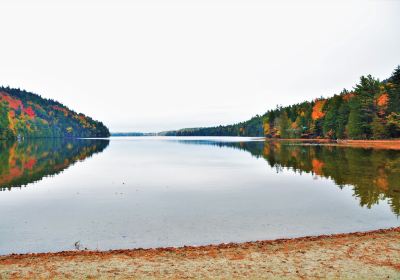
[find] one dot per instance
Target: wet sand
(365, 255)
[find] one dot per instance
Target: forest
(371, 110)
(27, 115)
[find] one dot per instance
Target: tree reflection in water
(25, 162)
(373, 174)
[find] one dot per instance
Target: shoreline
(370, 254)
(376, 144)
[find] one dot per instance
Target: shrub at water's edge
(371, 110)
(25, 114)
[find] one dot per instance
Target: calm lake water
(149, 192)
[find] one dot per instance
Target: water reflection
(156, 192)
(25, 162)
(374, 175)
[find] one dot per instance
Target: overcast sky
(159, 65)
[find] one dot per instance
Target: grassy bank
(366, 255)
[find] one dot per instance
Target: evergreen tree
(330, 124)
(342, 120)
(354, 128)
(393, 124)
(394, 91)
(366, 90)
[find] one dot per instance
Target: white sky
(159, 65)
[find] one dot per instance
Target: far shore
(393, 144)
(361, 255)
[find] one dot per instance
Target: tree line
(371, 110)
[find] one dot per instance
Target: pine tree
(330, 125)
(354, 128)
(342, 120)
(393, 124)
(366, 91)
(394, 91)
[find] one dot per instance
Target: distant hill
(25, 114)
(371, 110)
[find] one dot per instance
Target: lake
(140, 192)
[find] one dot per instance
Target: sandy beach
(364, 255)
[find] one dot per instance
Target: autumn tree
(284, 125)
